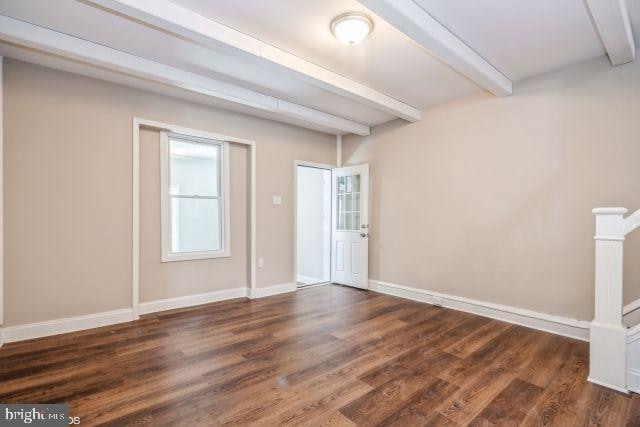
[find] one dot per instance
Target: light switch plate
(260, 262)
(277, 200)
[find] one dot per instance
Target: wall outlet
(437, 301)
(260, 262)
(277, 200)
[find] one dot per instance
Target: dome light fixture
(351, 28)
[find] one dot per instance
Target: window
(348, 208)
(194, 198)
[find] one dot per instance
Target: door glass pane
(341, 221)
(195, 225)
(194, 168)
(348, 205)
(348, 224)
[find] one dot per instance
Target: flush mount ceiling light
(351, 28)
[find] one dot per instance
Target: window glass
(348, 206)
(194, 168)
(195, 225)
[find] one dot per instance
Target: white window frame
(165, 200)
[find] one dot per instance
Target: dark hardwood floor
(326, 355)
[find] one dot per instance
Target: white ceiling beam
(187, 24)
(34, 37)
(614, 26)
(417, 24)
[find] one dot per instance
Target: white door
(350, 226)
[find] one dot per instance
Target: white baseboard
(273, 290)
(633, 359)
(190, 300)
(633, 380)
(632, 306)
(631, 313)
(572, 328)
(79, 323)
(558, 325)
(63, 326)
(603, 384)
(633, 334)
(308, 279)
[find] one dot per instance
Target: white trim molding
(632, 222)
(188, 25)
(66, 325)
(631, 307)
(607, 385)
(611, 19)
(30, 36)
(273, 290)
(608, 348)
(631, 314)
(309, 280)
(296, 163)
(135, 231)
(633, 359)
(223, 199)
(572, 328)
(97, 320)
(633, 336)
(415, 22)
(1, 198)
(191, 300)
(633, 380)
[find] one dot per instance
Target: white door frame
(364, 220)
(1, 204)
(297, 163)
(135, 231)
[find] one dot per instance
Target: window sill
(190, 256)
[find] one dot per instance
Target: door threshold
(311, 285)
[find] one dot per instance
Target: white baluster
(608, 335)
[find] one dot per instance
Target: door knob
(364, 234)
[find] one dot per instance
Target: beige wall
(67, 185)
(487, 198)
(490, 198)
(174, 279)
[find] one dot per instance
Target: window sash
(222, 161)
(187, 140)
(195, 197)
(174, 221)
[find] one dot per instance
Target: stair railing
(607, 349)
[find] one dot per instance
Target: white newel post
(607, 347)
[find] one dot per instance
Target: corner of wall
(1, 199)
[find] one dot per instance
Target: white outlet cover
(260, 262)
(277, 200)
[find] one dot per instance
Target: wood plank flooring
(326, 355)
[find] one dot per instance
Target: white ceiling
(633, 6)
(387, 60)
(89, 23)
(520, 38)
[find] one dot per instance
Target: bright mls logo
(36, 415)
